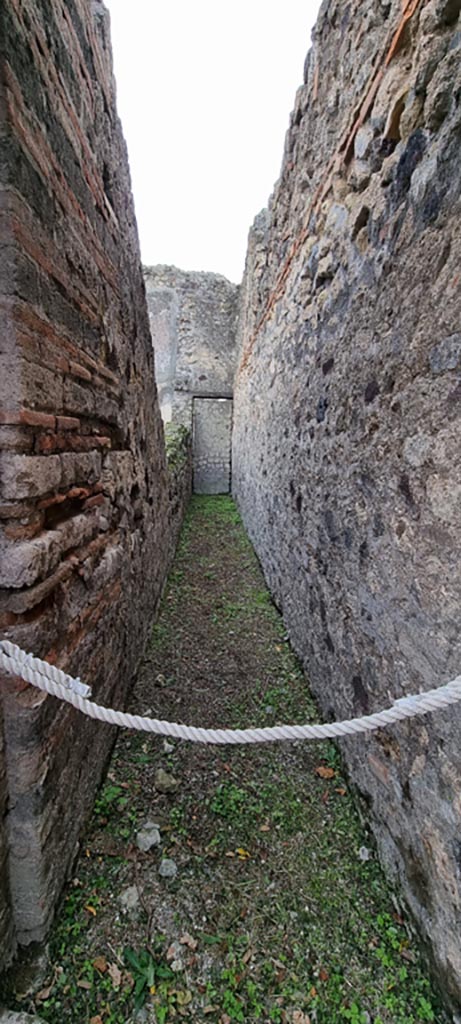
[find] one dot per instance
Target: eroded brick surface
(84, 486)
(346, 439)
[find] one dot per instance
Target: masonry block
(84, 487)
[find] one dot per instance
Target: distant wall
(193, 318)
(212, 438)
(347, 458)
(84, 487)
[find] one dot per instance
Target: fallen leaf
(341, 791)
(115, 975)
(85, 985)
(325, 773)
(210, 1009)
(313, 992)
(243, 854)
(247, 956)
(265, 828)
(187, 940)
(325, 796)
(96, 1020)
(323, 974)
(301, 1018)
(225, 1019)
(184, 998)
(101, 964)
(229, 853)
(44, 993)
(90, 909)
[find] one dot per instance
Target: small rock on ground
(148, 836)
(145, 1015)
(10, 1017)
(129, 899)
(175, 956)
(164, 782)
(168, 868)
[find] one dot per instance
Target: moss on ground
(279, 911)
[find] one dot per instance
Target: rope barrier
(53, 681)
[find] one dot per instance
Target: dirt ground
(260, 897)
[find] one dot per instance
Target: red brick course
(82, 569)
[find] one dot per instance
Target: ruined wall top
(193, 318)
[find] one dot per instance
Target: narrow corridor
(227, 884)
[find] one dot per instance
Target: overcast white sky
(204, 91)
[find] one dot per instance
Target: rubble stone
(346, 457)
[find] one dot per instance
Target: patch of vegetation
(177, 445)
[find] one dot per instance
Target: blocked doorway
(211, 445)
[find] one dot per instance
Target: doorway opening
(211, 445)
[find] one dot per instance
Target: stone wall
(347, 463)
(193, 320)
(7, 943)
(84, 487)
(7, 937)
(179, 461)
(212, 438)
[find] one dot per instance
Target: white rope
(51, 680)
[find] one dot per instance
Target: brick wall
(84, 488)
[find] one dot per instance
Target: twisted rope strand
(53, 681)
